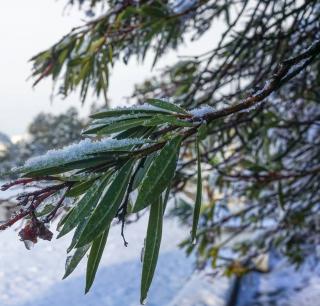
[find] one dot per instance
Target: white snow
(34, 277)
(201, 111)
(284, 285)
(180, 6)
(203, 290)
(76, 152)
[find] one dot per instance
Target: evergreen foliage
(244, 115)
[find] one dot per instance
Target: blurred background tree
(45, 132)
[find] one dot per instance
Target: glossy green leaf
(94, 258)
(77, 234)
(99, 124)
(142, 171)
(62, 168)
(108, 206)
(167, 106)
(152, 246)
(85, 206)
(118, 126)
(197, 207)
(159, 174)
(160, 119)
(126, 111)
(73, 261)
(79, 188)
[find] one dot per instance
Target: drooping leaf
(159, 174)
(152, 246)
(77, 234)
(167, 106)
(108, 206)
(73, 261)
(95, 255)
(197, 206)
(85, 206)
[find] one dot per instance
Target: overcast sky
(27, 27)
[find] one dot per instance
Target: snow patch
(201, 111)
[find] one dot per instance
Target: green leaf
(153, 11)
(95, 255)
(159, 174)
(73, 261)
(142, 171)
(77, 234)
(160, 119)
(83, 208)
(167, 106)
(197, 207)
(152, 246)
(99, 124)
(64, 219)
(96, 45)
(126, 111)
(202, 131)
(45, 211)
(123, 125)
(136, 132)
(116, 126)
(108, 206)
(79, 188)
(61, 168)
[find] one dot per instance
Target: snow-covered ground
(284, 286)
(34, 277)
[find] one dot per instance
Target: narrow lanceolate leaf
(152, 246)
(108, 206)
(95, 255)
(126, 111)
(87, 203)
(167, 106)
(77, 234)
(142, 171)
(197, 207)
(73, 261)
(113, 127)
(159, 174)
(79, 188)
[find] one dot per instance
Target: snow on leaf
(76, 152)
